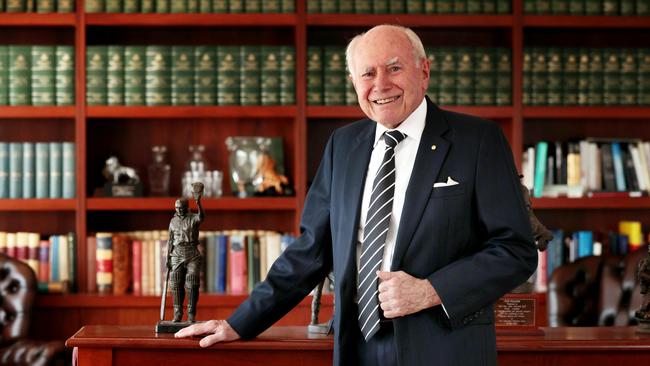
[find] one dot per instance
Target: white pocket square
(450, 182)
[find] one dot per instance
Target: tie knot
(393, 137)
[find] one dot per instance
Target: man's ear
(351, 79)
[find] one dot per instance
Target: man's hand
(402, 294)
(218, 330)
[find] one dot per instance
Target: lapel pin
(434, 147)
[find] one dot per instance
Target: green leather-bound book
(178, 6)
(313, 6)
(16, 6)
(4, 75)
(42, 170)
(350, 93)
(434, 73)
(554, 69)
(255, 6)
(182, 75)
(64, 74)
(643, 65)
(314, 75)
(346, 7)
(329, 6)
(416, 6)
(560, 6)
(15, 170)
(570, 59)
(205, 75)
(29, 167)
(611, 7)
(43, 75)
(430, 6)
(288, 6)
(134, 75)
(583, 76)
(397, 6)
(45, 6)
(530, 7)
(334, 76)
(488, 6)
(235, 6)
(595, 92)
(474, 6)
(205, 6)
(4, 170)
(158, 75)
(576, 7)
(465, 77)
(447, 76)
(504, 6)
(504, 76)
(163, 6)
(485, 80)
(94, 6)
(68, 170)
(96, 75)
(642, 7)
(539, 63)
(593, 7)
(65, 6)
(270, 75)
(56, 169)
(131, 6)
(627, 7)
(147, 6)
(113, 6)
(287, 75)
(611, 76)
(115, 75)
(193, 6)
(445, 6)
(228, 75)
(219, 6)
(542, 7)
(527, 70)
(249, 75)
(19, 75)
(377, 6)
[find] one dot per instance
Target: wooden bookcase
(131, 131)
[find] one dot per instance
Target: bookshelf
(131, 131)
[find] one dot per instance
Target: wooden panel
(36, 130)
(45, 222)
(35, 19)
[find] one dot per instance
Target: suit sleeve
(300, 267)
(506, 255)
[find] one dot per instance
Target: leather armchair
(17, 293)
(595, 291)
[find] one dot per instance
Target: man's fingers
(197, 329)
(212, 339)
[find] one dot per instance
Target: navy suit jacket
(472, 241)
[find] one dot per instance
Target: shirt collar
(412, 126)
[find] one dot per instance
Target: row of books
(52, 257)
(567, 247)
(233, 261)
(37, 170)
(459, 76)
(587, 7)
(409, 6)
(190, 75)
(37, 6)
(36, 75)
(190, 6)
(591, 167)
(586, 76)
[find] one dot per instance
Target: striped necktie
(374, 236)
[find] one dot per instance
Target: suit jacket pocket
(455, 190)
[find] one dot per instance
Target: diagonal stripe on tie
(374, 236)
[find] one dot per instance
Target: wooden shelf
(37, 19)
(355, 112)
(191, 20)
(167, 204)
(640, 203)
(586, 21)
(37, 204)
(411, 20)
(191, 112)
(599, 112)
(37, 112)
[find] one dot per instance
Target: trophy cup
(244, 160)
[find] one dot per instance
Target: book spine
(611, 7)
(72, 260)
(539, 90)
(237, 260)
(270, 75)
(329, 6)
(182, 75)
(266, 6)
(19, 75)
(485, 76)
(228, 70)
(4, 75)
(15, 170)
(136, 248)
(147, 6)
(249, 75)
(642, 7)
(504, 6)
(346, 7)
(16, 6)
(115, 75)
(4, 169)
(134, 75)
(193, 6)
(94, 6)
(43, 261)
(555, 73)
(219, 6)
(314, 75)
(576, 7)
(29, 157)
(64, 75)
(205, 68)
(131, 6)
(55, 274)
(474, 6)
(447, 76)
(374, 6)
(334, 76)
(627, 7)
(541, 153)
(465, 77)
(235, 6)
(43, 75)
(542, 7)
(583, 76)
(121, 265)
(222, 269)
(434, 71)
(503, 77)
(210, 265)
(113, 6)
(570, 80)
(595, 89)
(628, 77)
(643, 83)
(22, 246)
(527, 69)
(399, 6)
(45, 6)
(96, 75)
(162, 6)
(611, 77)
(619, 173)
(158, 75)
(68, 184)
(104, 263)
(559, 6)
(56, 169)
(288, 6)
(313, 6)
(178, 6)
(287, 76)
(460, 6)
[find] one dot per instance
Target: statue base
(168, 326)
(643, 326)
(123, 190)
(323, 328)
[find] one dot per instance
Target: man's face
(180, 208)
(388, 83)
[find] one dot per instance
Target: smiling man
(418, 212)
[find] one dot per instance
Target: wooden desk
(139, 345)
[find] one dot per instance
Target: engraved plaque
(515, 312)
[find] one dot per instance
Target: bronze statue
(643, 314)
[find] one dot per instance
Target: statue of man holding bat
(183, 257)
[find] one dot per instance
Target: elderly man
(420, 215)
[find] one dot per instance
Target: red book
(237, 270)
(121, 265)
(136, 252)
(44, 261)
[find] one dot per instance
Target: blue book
(555, 252)
(68, 185)
(54, 258)
(4, 170)
(617, 156)
(56, 168)
(28, 169)
(42, 165)
(541, 153)
(221, 262)
(585, 243)
(15, 170)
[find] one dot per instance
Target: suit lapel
(425, 171)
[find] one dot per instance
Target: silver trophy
(244, 161)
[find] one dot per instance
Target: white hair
(416, 44)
